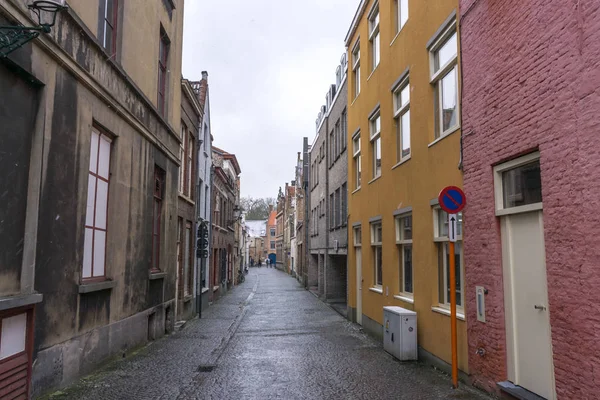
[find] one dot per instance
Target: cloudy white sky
(270, 63)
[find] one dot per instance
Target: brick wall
(531, 79)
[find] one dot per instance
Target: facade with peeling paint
(90, 160)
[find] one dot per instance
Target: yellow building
(404, 131)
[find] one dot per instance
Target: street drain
(206, 368)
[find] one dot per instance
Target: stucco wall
(535, 88)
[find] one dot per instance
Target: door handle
(539, 307)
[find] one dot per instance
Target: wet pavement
(267, 339)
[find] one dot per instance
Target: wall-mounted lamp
(13, 37)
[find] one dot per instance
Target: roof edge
(354, 25)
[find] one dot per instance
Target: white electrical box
(400, 333)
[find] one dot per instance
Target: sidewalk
(169, 366)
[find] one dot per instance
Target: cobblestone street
(267, 339)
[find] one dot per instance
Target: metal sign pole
(453, 334)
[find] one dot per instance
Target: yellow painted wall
(414, 183)
(140, 30)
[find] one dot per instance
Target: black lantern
(13, 37)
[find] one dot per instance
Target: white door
(358, 285)
(528, 337)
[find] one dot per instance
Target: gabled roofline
(359, 13)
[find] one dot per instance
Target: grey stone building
(328, 196)
(89, 143)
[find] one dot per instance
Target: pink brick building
(531, 136)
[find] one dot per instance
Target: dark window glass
(522, 185)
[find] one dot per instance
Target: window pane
(155, 251)
(406, 134)
(406, 227)
(109, 10)
(91, 198)
(407, 278)
(377, 157)
(449, 97)
(108, 38)
(99, 252)
(442, 223)
(186, 262)
(104, 161)
(446, 53)
(87, 253)
(358, 170)
(403, 12)
(457, 276)
(94, 152)
(101, 204)
(522, 185)
(357, 81)
(405, 96)
(357, 235)
(356, 144)
(13, 335)
(376, 50)
(379, 272)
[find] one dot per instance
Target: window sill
(96, 286)
(372, 72)
(215, 288)
(157, 275)
(205, 289)
(445, 311)
(187, 199)
(17, 301)
(356, 190)
(376, 290)
(401, 162)
(374, 179)
(404, 298)
(353, 101)
(444, 136)
(188, 298)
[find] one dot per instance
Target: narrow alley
(267, 339)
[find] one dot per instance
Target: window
(94, 248)
(344, 204)
(182, 158)
(356, 68)
(190, 166)
(338, 209)
(522, 185)
(357, 160)
(374, 36)
(344, 130)
(331, 148)
(272, 245)
(441, 238)
(272, 231)
(109, 26)
(375, 127)
(169, 7)
(376, 235)
(158, 193)
(188, 260)
(163, 68)
(401, 13)
(13, 338)
(404, 243)
(332, 211)
(445, 79)
(357, 236)
(402, 120)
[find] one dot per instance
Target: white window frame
(374, 245)
(438, 75)
(375, 36)
(402, 243)
(357, 234)
(401, 5)
(499, 187)
(356, 156)
(92, 225)
(441, 242)
(374, 135)
(400, 111)
(356, 67)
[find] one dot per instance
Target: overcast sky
(269, 63)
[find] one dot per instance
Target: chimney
(270, 208)
(298, 156)
(205, 75)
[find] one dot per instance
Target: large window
(109, 26)
(356, 68)
(163, 67)
(158, 195)
(344, 204)
(375, 129)
(376, 245)
(402, 120)
(440, 218)
(272, 245)
(374, 37)
(188, 269)
(332, 211)
(94, 248)
(186, 156)
(344, 129)
(401, 13)
(272, 231)
(445, 79)
(357, 160)
(404, 243)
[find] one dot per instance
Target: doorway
(358, 252)
(528, 335)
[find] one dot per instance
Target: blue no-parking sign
(452, 199)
